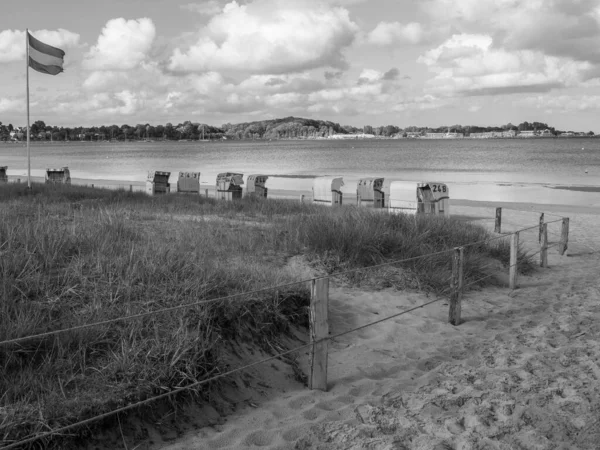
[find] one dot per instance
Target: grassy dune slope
(74, 255)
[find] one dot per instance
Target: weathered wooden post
(206, 192)
(456, 285)
(541, 227)
(544, 246)
(130, 188)
(319, 331)
(498, 225)
(564, 236)
(302, 198)
(512, 270)
(358, 199)
(92, 185)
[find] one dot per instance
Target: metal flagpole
(27, 77)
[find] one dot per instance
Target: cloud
(12, 42)
(333, 75)
(563, 28)
(369, 76)
(468, 64)
(122, 45)
(391, 33)
(207, 8)
(562, 103)
(270, 36)
(12, 105)
(391, 74)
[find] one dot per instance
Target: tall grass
(75, 255)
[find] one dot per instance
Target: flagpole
(27, 77)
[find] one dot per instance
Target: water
(514, 170)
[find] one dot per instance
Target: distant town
(285, 128)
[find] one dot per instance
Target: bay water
(562, 171)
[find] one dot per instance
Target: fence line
(201, 382)
(456, 286)
(230, 297)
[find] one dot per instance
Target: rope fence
(318, 317)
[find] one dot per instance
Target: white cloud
(270, 36)
(563, 103)
(469, 64)
(11, 105)
(207, 8)
(390, 33)
(12, 42)
(123, 45)
(370, 76)
(564, 28)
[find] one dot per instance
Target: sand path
(521, 371)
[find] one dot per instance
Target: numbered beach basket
(410, 197)
(157, 182)
(369, 193)
(189, 182)
(433, 198)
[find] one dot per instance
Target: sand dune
(521, 372)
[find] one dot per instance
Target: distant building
(494, 134)
(447, 135)
(352, 136)
(527, 134)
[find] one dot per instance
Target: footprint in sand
(428, 327)
(226, 440)
(296, 433)
(299, 403)
(379, 372)
(259, 438)
(412, 354)
(429, 364)
(361, 390)
(311, 414)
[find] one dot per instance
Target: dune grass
(71, 255)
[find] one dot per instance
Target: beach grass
(71, 255)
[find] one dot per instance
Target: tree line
(284, 128)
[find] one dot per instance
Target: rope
(230, 297)
(148, 313)
(477, 281)
(390, 263)
(199, 383)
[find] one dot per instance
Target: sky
(354, 62)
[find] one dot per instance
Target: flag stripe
(45, 59)
(50, 70)
(44, 48)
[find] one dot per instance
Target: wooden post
(92, 185)
(358, 199)
(564, 236)
(206, 192)
(498, 225)
(541, 227)
(512, 270)
(319, 329)
(302, 198)
(544, 246)
(130, 188)
(456, 286)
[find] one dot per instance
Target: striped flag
(43, 57)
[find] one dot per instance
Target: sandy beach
(521, 371)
